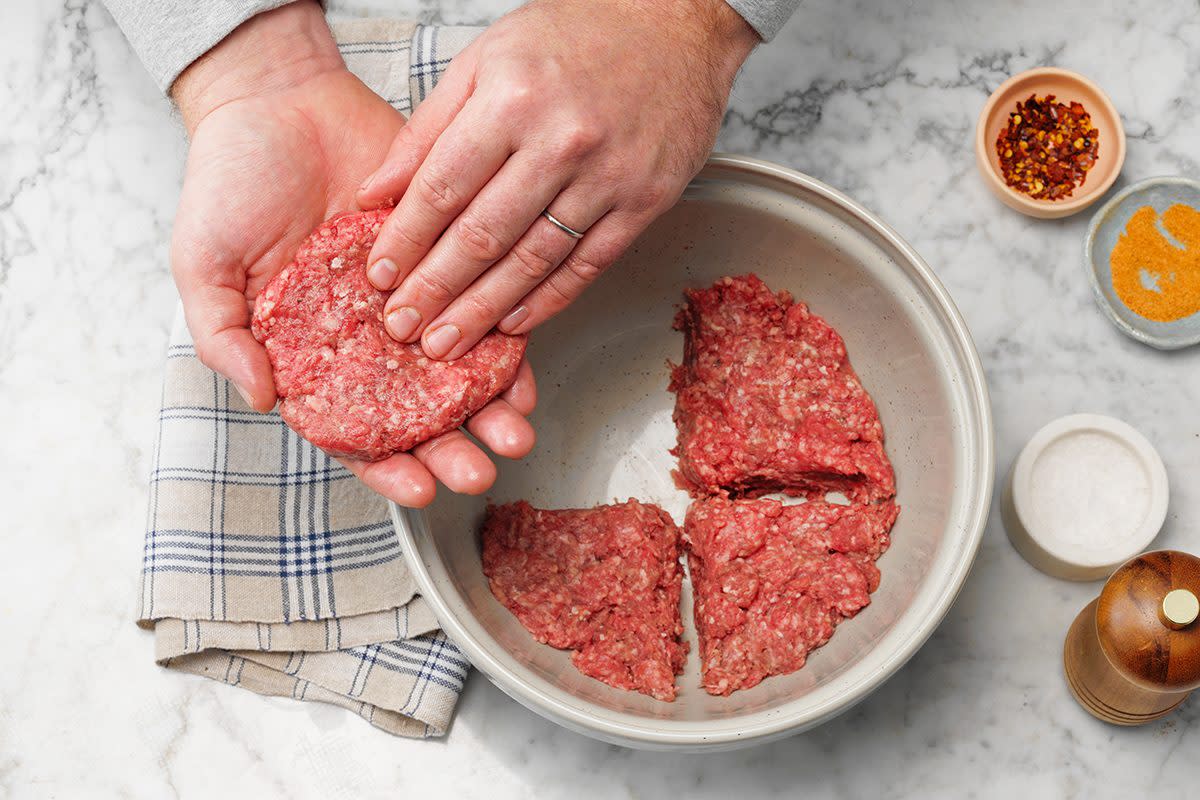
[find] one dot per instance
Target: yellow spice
(1153, 276)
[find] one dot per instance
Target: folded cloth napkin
(269, 566)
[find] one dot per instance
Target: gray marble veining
(876, 98)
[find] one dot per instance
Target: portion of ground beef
(603, 582)
(772, 581)
(766, 400)
(347, 386)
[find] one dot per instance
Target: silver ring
(567, 229)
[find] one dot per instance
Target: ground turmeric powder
(1155, 277)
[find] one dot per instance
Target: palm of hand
(262, 173)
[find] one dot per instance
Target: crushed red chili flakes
(1047, 148)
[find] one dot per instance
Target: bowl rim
(1044, 209)
(657, 735)
(1089, 258)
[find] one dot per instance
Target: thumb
(219, 320)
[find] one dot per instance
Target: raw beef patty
(766, 400)
(603, 582)
(771, 581)
(347, 386)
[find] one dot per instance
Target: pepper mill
(1133, 654)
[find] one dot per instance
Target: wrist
(270, 52)
(713, 26)
(733, 34)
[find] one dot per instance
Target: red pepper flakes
(1047, 148)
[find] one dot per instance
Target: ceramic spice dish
(1107, 227)
(1066, 86)
(1085, 494)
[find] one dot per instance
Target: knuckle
(657, 197)
(433, 287)
(585, 268)
(406, 139)
(559, 295)
(578, 138)
(668, 193)
(659, 194)
(478, 239)
(532, 263)
(518, 96)
(397, 237)
(436, 190)
(481, 307)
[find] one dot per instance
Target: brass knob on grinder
(1133, 654)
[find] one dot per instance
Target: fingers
(522, 395)
(461, 163)
(416, 139)
(483, 233)
(597, 250)
(219, 320)
(496, 293)
(400, 478)
(503, 429)
(452, 458)
(457, 462)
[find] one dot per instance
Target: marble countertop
(876, 98)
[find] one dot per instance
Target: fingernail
(366, 183)
(441, 340)
(514, 319)
(245, 395)
(382, 274)
(402, 321)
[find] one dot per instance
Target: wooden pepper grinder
(1133, 654)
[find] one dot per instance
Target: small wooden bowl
(1065, 86)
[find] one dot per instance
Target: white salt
(1089, 492)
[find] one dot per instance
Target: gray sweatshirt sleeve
(168, 35)
(765, 16)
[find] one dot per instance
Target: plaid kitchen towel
(269, 566)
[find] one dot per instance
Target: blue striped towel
(269, 566)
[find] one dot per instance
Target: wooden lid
(1147, 622)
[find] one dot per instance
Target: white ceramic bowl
(604, 426)
(1086, 494)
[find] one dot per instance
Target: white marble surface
(877, 98)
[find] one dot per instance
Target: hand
(600, 111)
(281, 136)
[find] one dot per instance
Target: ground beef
(603, 582)
(766, 400)
(347, 386)
(772, 581)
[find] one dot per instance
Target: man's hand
(282, 135)
(599, 111)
